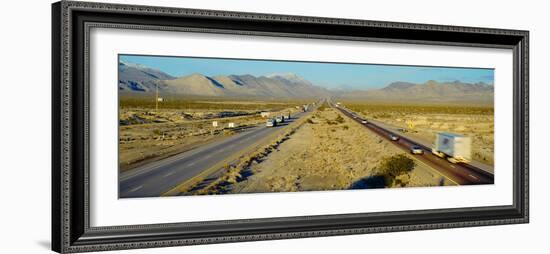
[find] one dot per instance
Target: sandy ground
(325, 154)
(145, 136)
(425, 127)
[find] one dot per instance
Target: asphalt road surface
(156, 178)
(460, 173)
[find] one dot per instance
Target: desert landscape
(147, 134)
(423, 122)
(219, 133)
(323, 154)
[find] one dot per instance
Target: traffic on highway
(458, 172)
(156, 178)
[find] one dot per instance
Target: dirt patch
(239, 171)
(424, 122)
(327, 152)
(146, 136)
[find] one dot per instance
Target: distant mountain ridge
(431, 91)
(136, 78)
(398, 85)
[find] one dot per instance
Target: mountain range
(431, 91)
(138, 78)
(134, 78)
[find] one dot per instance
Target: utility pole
(157, 98)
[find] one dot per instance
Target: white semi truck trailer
(455, 147)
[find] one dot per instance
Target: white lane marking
(473, 176)
(169, 174)
(136, 188)
(192, 163)
(169, 160)
(435, 171)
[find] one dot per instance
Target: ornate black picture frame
(71, 230)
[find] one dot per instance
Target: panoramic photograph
(210, 126)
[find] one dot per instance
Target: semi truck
(456, 148)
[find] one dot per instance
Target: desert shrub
(157, 132)
(395, 170)
(309, 121)
(382, 115)
(402, 180)
(229, 132)
(339, 119)
(396, 165)
(345, 127)
(408, 108)
(323, 107)
(147, 101)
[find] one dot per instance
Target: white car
(364, 122)
(417, 150)
(394, 138)
(270, 123)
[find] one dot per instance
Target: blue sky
(329, 75)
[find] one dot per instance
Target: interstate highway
(460, 173)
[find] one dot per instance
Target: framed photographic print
(181, 126)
